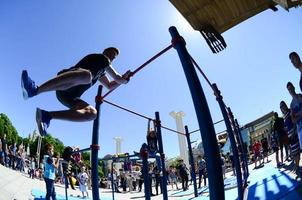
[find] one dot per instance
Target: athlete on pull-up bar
(71, 83)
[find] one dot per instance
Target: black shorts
(70, 100)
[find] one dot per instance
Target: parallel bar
(213, 124)
(232, 140)
(143, 65)
(244, 153)
(193, 175)
(211, 149)
(162, 156)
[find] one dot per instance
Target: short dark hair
(294, 54)
(48, 147)
(283, 104)
(117, 51)
(289, 84)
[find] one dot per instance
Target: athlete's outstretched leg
(63, 81)
(80, 113)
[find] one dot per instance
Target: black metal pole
(95, 147)
(232, 140)
(144, 155)
(162, 156)
(191, 159)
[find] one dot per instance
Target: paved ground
(17, 186)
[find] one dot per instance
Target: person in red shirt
(257, 150)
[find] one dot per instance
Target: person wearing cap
(71, 83)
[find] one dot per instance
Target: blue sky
(47, 36)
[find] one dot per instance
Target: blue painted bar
(162, 156)
(240, 144)
(208, 135)
(191, 160)
(144, 155)
(232, 140)
(95, 148)
(243, 155)
(243, 150)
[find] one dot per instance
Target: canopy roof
(224, 14)
(213, 17)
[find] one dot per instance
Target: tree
(6, 127)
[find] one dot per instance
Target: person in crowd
(151, 176)
(50, 165)
(257, 153)
(292, 134)
(296, 61)
(158, 178)
(202, 171)
(1, 154)
(275, 147)
(296, 110)
(183, 173)
(231, 161)
(140, 180)
(264, 144)
(222, 159)
(173, 177)
(4, 149)
(12, 149)
(82, 179)
(32, 167)
(279, 129)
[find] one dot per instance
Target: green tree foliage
(175, 162)
(6, 127)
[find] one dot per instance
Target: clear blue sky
(47, 36)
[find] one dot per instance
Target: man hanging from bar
(71, 83)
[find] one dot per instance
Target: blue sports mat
(230, 185)
(270, 183)
(40, 195)
(267, 183)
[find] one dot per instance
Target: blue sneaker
(43, 121)
(29, 87)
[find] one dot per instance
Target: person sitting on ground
(71, 83)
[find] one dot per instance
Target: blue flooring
(230, 185)
(269, 183)
(40, 195)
